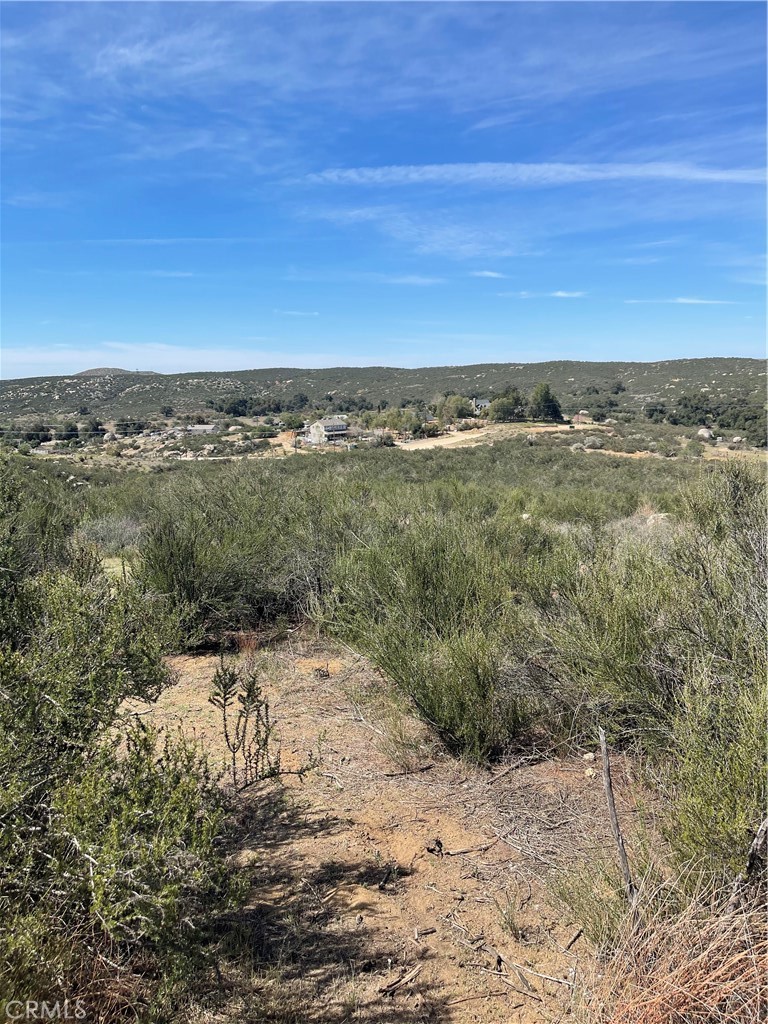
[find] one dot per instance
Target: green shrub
(109, 849)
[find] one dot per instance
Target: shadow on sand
(288, 955)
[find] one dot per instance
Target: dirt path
(395, 883)
(484, 435)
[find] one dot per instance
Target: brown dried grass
(699, 966)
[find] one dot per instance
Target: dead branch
(486, 995)
(629, 885)
(393, 986)
(471, 849)
(408, 771)
(520, 991)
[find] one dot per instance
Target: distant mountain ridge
(110, 371)
(112, 393)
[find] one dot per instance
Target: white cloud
(37, 200)
(542, 295)
(294, 312)
(486, 273)
(680, 302)
(538, 175)
(412, 279)
(172, 273)
(431, 233)
(201, 240)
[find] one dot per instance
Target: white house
(330, 428)
(481, 403)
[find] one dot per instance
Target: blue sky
(230, 185)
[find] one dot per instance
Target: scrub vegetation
(517, 598)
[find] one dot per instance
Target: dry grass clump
(697, 967)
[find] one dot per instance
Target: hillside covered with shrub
(623, 386)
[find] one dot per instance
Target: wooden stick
(629, 885)
(487, 995)
(470, 849)
(409, 771)
(505, 979)
(406, 978)
(531, 759)
(756, 858)
(546, 977)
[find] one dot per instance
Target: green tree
(91, 429)
(455, 407)
(543, 405)
(507, 408)
(292, 420)
(67, 432)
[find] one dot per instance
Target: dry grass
(700, 966)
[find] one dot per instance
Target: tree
(292, 420)
(127, 428)
(67, 432)
(92, 428)
(508, 408)
(298, 402)
(543, 405)
(454, 407)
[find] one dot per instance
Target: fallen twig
(505, 979)
(526, 852)
(486, 995)
(471, 849)
(408, 771)
(530, 759)
(393, 986)
(545, 977)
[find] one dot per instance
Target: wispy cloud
(434, 232)
(543, 295)
(294, 312)
(486, 273)
(37, 200)
(533, 175)
(172, 273)
(188, 240)
(416, 280)
(680, 302)
(658, 243)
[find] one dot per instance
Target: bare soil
(485, 435)
(394, 883)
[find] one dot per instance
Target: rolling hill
(111, 393)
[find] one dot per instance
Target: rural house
(330, 428)
(481, 403)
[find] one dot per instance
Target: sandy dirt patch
(395, 883)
